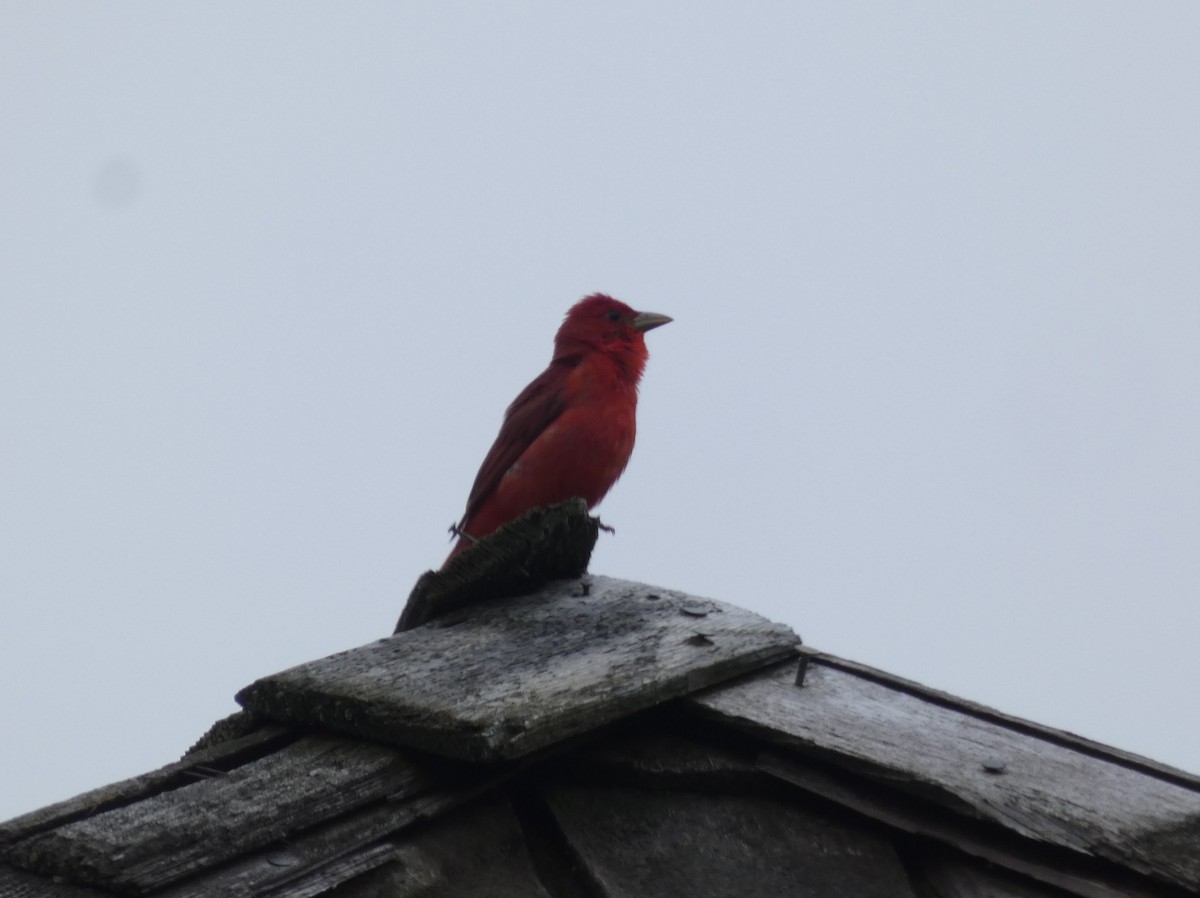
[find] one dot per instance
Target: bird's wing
(535, 409)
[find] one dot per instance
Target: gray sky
(270, 273)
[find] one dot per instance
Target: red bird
(570, 432)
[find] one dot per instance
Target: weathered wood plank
(1078, 743)
(172, 776)
(542, 545)
(1031, 786)
(476, 852)
(1074, 873)
(174, 834)
(268, 873)
(663, 752)
(230, 728)
(948, 877)
(317, 853)
(19, 884)
(660, 844)
(321, 880)
(504, 680)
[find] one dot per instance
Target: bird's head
(601, 323)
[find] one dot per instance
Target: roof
(597, 737)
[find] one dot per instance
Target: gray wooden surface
(1077, 874)
(193, 768)
(1033, 787)
(1010, 721)
(183, 831)
(656, 844)
(503, 680)
(477, 852)
(945, 876)
(855, 783)
(663, 755)
(542, 545)
(328, 854)
(19, 884)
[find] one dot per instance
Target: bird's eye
(613, 315)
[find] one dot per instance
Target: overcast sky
(271, 272)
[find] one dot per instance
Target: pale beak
(645, 321)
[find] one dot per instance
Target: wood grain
(175, 834)
(192, 768)
(543, 545)
(503, 680)
(1028, 785)
(476, 852)
(657, 844)
(19, 884)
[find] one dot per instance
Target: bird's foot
(603, 526)
(456, 530)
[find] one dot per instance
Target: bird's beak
(645, 321)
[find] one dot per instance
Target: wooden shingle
(501, 681)
(176, 833)
(1027, 784)
(609, 739)
(659, 844)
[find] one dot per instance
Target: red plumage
(571, 431)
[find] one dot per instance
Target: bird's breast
(585, 450)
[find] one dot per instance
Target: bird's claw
(456, 530)
(603, 526)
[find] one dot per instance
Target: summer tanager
(570, 432)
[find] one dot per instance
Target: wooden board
(174, 834)
(945, 876)
(661, 754)
(543, 545)
(1073, 741)
(329, 854)
(476, 852)
(503, 680)
(1031, 786)
(1076, 874)
(19, 884)
(198, 766)
(659, 844)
